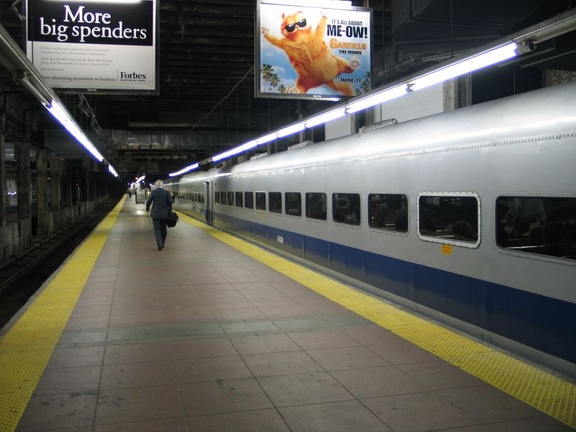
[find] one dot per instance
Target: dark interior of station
(206, 100)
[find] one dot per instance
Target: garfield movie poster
(312, 52)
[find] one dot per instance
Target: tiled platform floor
(199, 337)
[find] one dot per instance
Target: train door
(208, 206)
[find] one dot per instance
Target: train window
(449, 218)
(316, 205)
(293, 203)
(388, 212)
(230, 198)
(217, 197)
(346, 208)
(249, 200)
(261, 201)
(275, 202)
(239, 199)
(223, 198)
(202, 198)
(538, 225)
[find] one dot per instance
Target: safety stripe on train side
(538, 388)
(26, 348)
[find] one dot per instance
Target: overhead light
(112, 171)
(184, 170)
(266, 138)
(454, 70)
(59, 113)
(376, 99)
(100, 1)
(228, 154)
(325, 117)
(250, 145)
(289, 130)
(236, 150)
(475, 62)
(470, 64)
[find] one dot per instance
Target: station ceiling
(206, 101)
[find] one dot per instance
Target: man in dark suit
(161, 202)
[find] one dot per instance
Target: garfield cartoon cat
(309, 55)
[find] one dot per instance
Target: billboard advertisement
(97, 46)
(312, 52)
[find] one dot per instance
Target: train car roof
(512, 119)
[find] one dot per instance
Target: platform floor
(202, 337)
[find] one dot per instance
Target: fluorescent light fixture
(244, 147)
(292, 129)
(184, 170)
(325, 117)
(99, 1)
(471, 64)
(228, 154)
(60, 114)
(112, 171)
(479, 61)
(484, 59)
(266, 138)
(377, 98)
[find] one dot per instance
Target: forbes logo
(132, 76)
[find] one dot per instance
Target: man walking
(161, 202)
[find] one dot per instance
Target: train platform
(215, 334)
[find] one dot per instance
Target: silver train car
(467, 216)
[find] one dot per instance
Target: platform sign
(94, 45)
(312, 51)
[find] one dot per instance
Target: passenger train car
(467, 216)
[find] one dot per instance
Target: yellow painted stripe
(542, 390)
(28, 345)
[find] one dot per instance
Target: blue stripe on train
(543, 323)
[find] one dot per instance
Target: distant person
(161, 202)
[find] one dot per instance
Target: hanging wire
(222, 100)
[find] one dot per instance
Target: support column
(457, 93)
(23, 180)
(55, 203)
(42, 193)
(2, 191)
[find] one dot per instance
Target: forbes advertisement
(94, 46)
(312, 52)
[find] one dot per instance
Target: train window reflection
(249, 200)
(293, 202)
(316, 205)
(275, 202)
(449, 218)
(388, 212)
(261, 201)
(539, 225)
(346, 208)
(239, 200)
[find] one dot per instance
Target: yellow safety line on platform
(542, 390)
(28, 345)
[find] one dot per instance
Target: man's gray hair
(159, 183)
